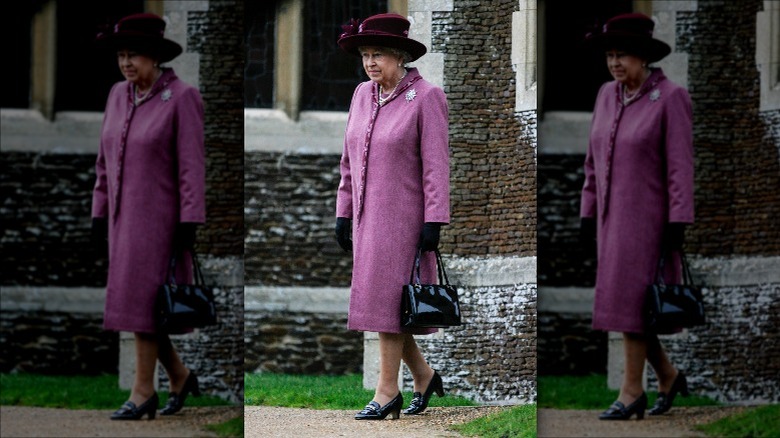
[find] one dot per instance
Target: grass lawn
(760, 422)
(76, 392)
(591, 392)
(230, 428)
(519, 421)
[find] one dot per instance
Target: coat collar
(412, 76)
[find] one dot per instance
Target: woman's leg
(391, 346)
(422, 373)
(635, 353)
(664, 370)
(146, 347)
(177, 372)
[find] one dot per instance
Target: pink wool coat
(150, 176)
(638, 177)
(394, 178)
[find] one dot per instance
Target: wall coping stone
(491, 271)
(564, 132)
(316, 132)
(52, 299)
(296, 299)
(26, 130)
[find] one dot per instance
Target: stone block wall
(302, 343)
(734, 358)
(290, 213)
(45, 214)
(492, 356)
(60, 343)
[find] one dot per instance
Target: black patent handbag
(670, 307)
(429, 305)
(180, 307)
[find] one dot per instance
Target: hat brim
(651, 48)
(351, 44)
(163, 48)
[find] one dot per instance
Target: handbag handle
(198, 275)
(414, 278)
(686, 270)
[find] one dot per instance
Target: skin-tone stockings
(393, 348)
(148, 349)
(636, 349)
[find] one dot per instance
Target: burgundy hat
(141, 32)
(382, 30)
(632, 32)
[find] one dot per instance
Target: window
(293, 61)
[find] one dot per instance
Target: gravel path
(263, 421)
(679, 422)
(20, 421)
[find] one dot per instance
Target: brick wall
(737, 166)
(493, 168)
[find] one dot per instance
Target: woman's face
(625, 68)
(136, 68)
(381, 66)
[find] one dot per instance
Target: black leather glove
(429, 237)
(588, 233)
(184, 236)
(344, 233)
(674, 236)
(100, 235)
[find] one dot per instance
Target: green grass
(230, 428)
(76, 392)
(319, 392)
(519, 421)
(757, 422)
(591, 392)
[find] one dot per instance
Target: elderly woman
(392, 199)
(637, 199)
(148, 198)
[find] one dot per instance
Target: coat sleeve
(191, 157)
(433, 126)
(100, 192)
(678, 120)
(588, 197)
(344, 193)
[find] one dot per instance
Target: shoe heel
(684, 390)
(440, 388)
(640, 414)
(152, 413)
(196, 390)
(396, 414)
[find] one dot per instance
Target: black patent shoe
(619, 411)
(373, 411)
(420, 401)
(176, 401)
(664, 401)
(129, 411)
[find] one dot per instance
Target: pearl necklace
(381, 99)
(137, 97)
